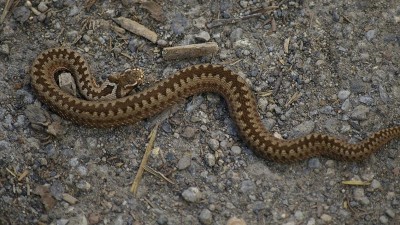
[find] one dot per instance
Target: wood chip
(286, 45)
(69, 198)
(155, 10)
(136, 28)
(190, 51)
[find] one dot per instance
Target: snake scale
(187, 82)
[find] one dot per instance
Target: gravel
(316, 66)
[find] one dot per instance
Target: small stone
(69, 198)
(200, 22)
(42, 7)
(314, 163)
(360, 113)
(346, 106)
(191, 194)
(166, 127)
(62, 222)
(78, 220)
(189, 132)
(210, 159)
(383, 219)
(184, 162)
(298, 215)
(94, 218)
(213, 144)
(366, 100)
(205, 217)
(247, 186)
(162, 43)
(74, 11)
(236, 34)
(370, 34)
(42, 161)
(235, 221)
(375, 184)
(311, 221)
(302, 129)
(290, 223)
(4, 49)
(203, 36)
(390, 213)
(343, 94)
(21, 14)
(236, 150)
(326, 218)
(263, 103)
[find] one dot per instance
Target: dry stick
(257, 13)
(143, 164)
(190, 51)
(158, 174)
(5, 10)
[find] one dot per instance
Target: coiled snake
(119, 109)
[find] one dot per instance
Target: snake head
(126, 81)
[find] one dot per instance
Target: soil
(315, 66)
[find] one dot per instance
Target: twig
(143, 164)
(158, 174)
(6, 10)
(257, 13)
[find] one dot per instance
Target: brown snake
(187, 82)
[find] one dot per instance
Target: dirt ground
(329, 66)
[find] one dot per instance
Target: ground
(315, 66)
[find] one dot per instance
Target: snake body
(187, 82)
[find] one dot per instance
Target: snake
(113, 104)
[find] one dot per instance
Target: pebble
(189, 132)
(383, 219)
(375, 184)
(236, 34)
(21, 14)
(359, 195)
(366, 100)
(203, 36)
(184, 162)
(166, 127)
(213, 144)
(69, 198)
(74, 11)
(42, 7)
(4, 49)
(360, 112)
(94, 218)
(236, 150)
(205, 217)
(191, 194)
(370, 34)
(235, 221)
(247, 186)
(299, 215)
(390, 213)
(210, 159)
(326, 218)
(302, 129)
(314, 163)
(346, 106)
(290, 223)
(311, 221)
(343, 94)
(78, 220)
